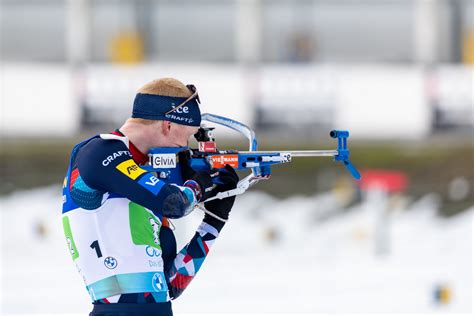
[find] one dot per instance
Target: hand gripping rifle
(164, 162)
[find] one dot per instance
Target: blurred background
(398, 74)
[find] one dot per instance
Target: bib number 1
(95, 245)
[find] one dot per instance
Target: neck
(138, 135)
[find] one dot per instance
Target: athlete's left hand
(227, 180)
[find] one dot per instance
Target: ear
(166, 127)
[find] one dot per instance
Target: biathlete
(115, 214)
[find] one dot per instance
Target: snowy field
(273, 256)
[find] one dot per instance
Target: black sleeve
(107, 165)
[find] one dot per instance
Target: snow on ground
(273, 256)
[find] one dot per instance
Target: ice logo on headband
(182, 113)
(180, 110)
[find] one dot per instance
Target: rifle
(164, 160)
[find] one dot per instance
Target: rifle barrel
(297, 153)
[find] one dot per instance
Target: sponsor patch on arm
(130, 169)
(148, 180)
(151, 183)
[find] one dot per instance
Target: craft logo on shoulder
(157, 282)
(164, 161)
(112, 157)
(219, 161)
(110, 262)
(130, 169)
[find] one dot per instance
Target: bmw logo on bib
(157, 282)
(110, 262)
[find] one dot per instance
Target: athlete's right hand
(199, 181)
(204, 182)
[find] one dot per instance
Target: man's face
(179, 134)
